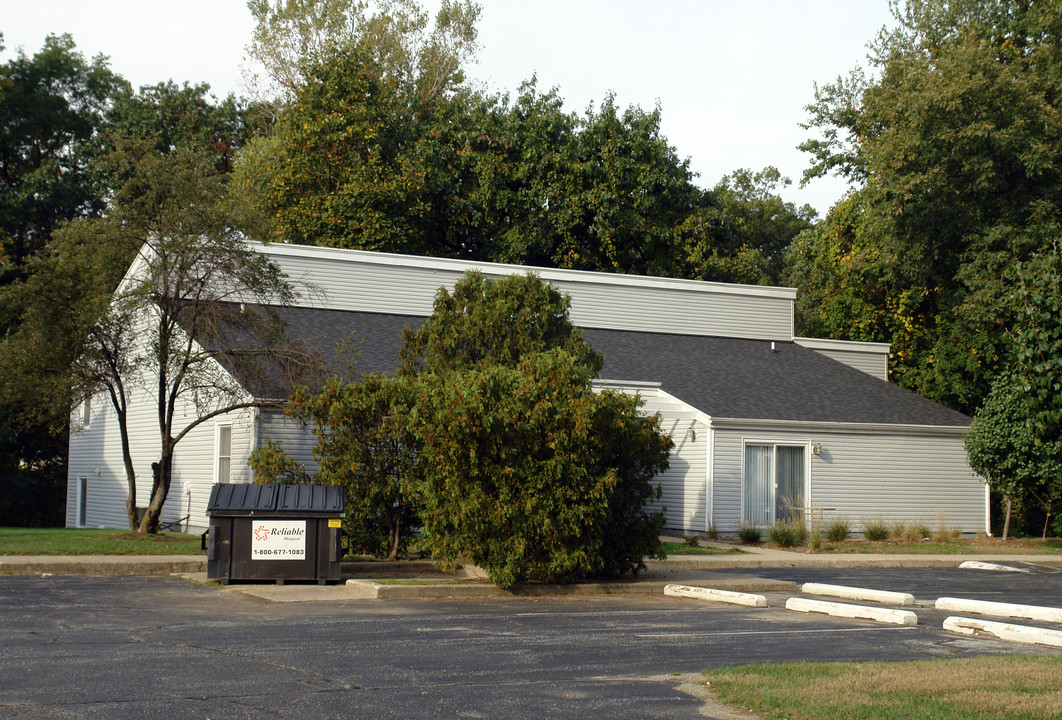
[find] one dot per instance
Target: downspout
(709, 481)
(988, 511)
(256, 418)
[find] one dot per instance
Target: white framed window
(222, 453)
(86, 412)
(776, 477)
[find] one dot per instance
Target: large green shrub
(524, 469)
(363, 444)
(529, 474)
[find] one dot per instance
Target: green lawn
(71, 541)
(984, 688)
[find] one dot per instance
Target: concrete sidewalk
(750, 557)
(753, 556)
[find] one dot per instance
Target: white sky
(732, 76)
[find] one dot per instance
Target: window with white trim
(775, 483)
(82, 502)
(223, 454)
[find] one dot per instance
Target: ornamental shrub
(529, 474)
(838, 530)
(525, 470)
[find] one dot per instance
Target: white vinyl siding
(871, 358)
(400, 285)
(295, 437)
(900, 474)
(194, 463)
(684, 484)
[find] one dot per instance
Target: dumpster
(274, 532)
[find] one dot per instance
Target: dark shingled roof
(735, 378)
(723, 377)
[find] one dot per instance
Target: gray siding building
(766, 425)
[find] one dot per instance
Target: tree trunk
(130, 476)
(162, 472)
(396, 534)
(1006, 523)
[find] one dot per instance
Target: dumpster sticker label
(278, 540)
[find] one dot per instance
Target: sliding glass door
(775, 480)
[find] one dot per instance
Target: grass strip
(983, 688)
(83, 541)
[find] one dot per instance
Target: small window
(82, 501)
(224, 454)
(86, 412)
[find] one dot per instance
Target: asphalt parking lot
(141, 647)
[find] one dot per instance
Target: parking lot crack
(331, 683)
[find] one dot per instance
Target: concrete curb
(170, 564)
(715, 595)
(998, 609)
(1005, 631)
(885, 597)
(101, 564)
(373, 589)
(883, 615)
(779, 559)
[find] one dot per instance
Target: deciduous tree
(423, 63)
(182, 116)
(51, 108)
(194, 306)
(955, 139)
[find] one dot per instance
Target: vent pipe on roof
(772, 346)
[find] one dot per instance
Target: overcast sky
(732, 78)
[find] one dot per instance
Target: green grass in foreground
(985, 688)
(77, 541)
(680, 548)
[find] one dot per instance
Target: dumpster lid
(315, 499)
(240, 499)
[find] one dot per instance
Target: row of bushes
(878, 529)
(793, 533)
